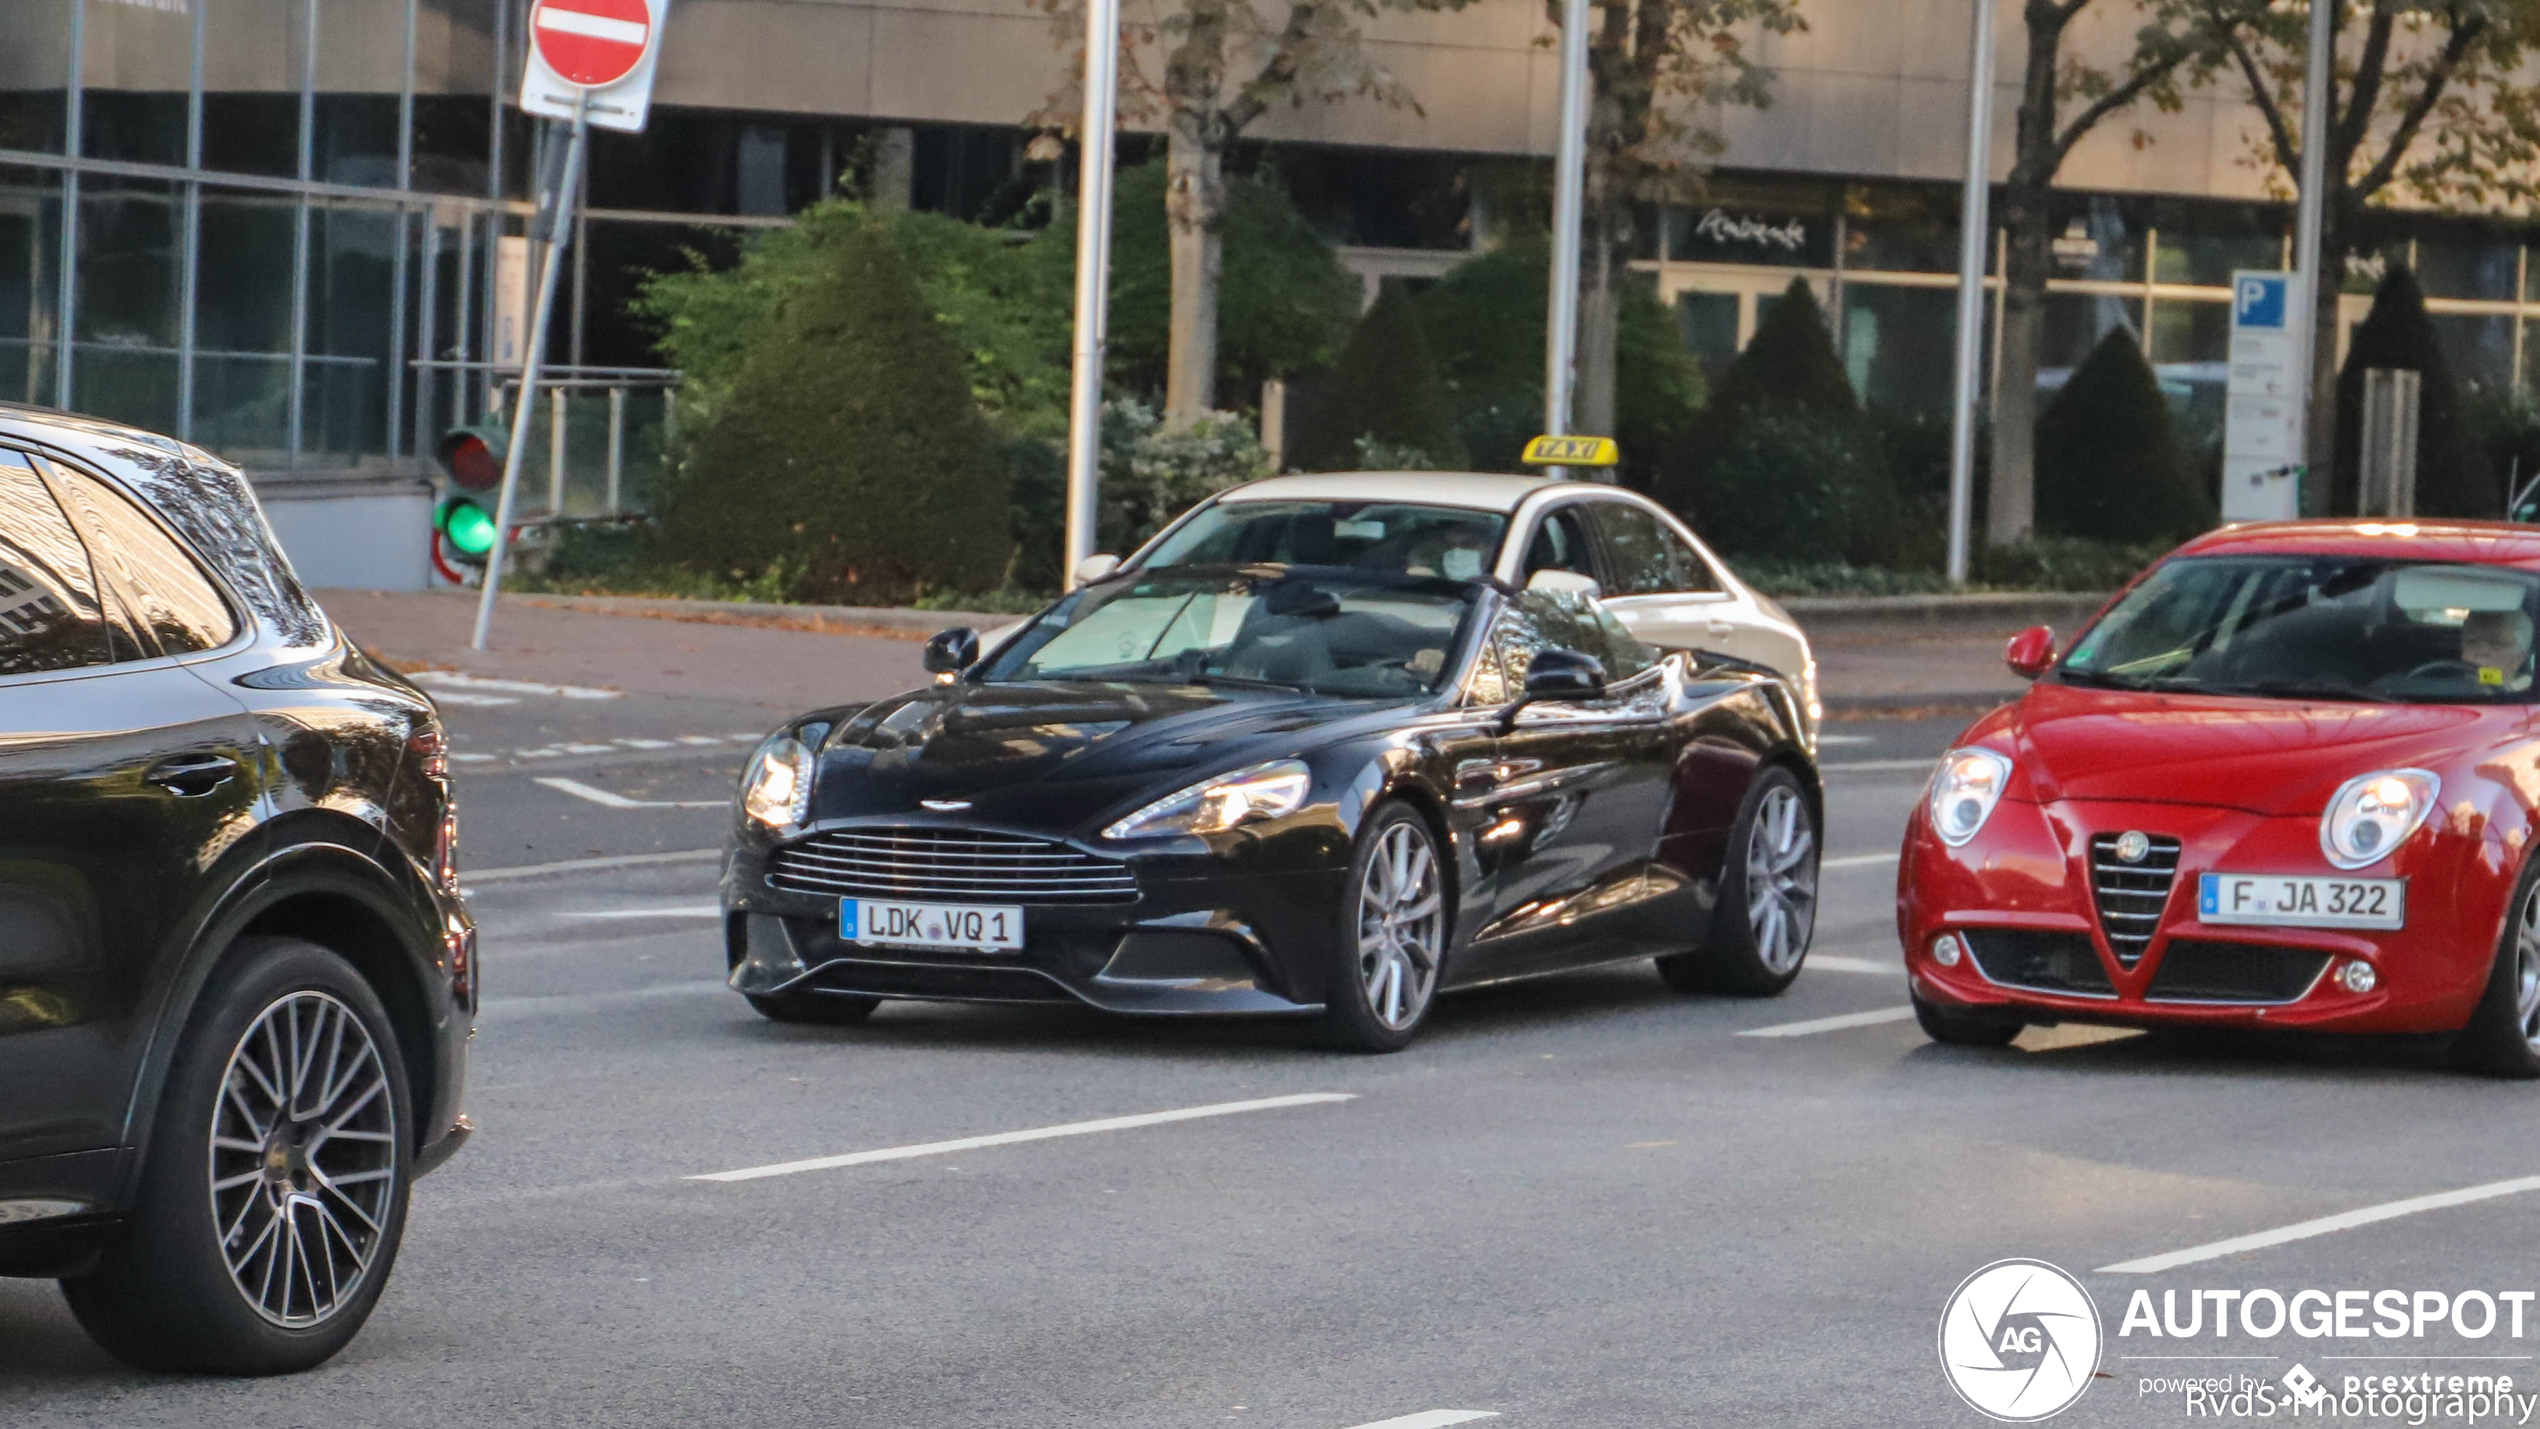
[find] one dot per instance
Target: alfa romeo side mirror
(2031, 652)
(952, 651)
(1094, 568)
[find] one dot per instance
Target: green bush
(2452, 480)
(1284, 303)
(1152, 472)
(2109, 463)
(1788, 485)
(2504, 428)
(1484, 323)
(1384, 394)
(849, 454)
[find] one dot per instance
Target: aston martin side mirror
(1556, 676)
(952, 651)
(1094, 568)
(2030, 652)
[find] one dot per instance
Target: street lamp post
(1975, 228)
(2310, 225)
(1093, 279)
(1569, 193)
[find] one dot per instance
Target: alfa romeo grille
(2197, 971)
(948, 865)
(2132, 895)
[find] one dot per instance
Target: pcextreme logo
(2019, 1340)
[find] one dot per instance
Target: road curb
(890, 622)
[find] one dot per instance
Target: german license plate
(968, 927)
(2285, 901)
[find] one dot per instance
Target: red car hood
(2264, 756)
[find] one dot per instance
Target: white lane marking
(588, 865)
(1825, 963)
(1858, 860)
(1042, 1133)
(458, 680)
(467, 701)
(702, 910)
(699, 739)
(1831, 1024)
(2304, 1230)
(645, 743)
(472, 758)
(588, 748)
(1868, 766)
(603, 797)
(1847, 739)
(1432, 1419)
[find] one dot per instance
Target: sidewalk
(792, 658)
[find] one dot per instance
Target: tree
(1285, 304)
(2045, 137)
(1385, 389)
(2109, 462)
(2426, 104)
(1227, 63)
(848, 456)
(1654, 64)
(2453, 477)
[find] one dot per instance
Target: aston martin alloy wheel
(1767, 907)
(1394, 941)
(273, 1189)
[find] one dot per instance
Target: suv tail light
(432, 746)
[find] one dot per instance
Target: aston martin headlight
(776, 789)
(1265, 791)
(1963, 793)
(2370, 817)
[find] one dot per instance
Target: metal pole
(617, 447)
(2310, 222)
(1093, 280)
(1569, 203)
(531, 358)
(1975, 226)
(555, 451)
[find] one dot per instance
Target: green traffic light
(469, 526)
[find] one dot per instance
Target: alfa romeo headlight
(1963, 793)
(1265, 791)
(2370, 817)
(776, 789)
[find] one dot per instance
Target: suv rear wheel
(273, 1194)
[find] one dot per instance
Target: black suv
(236, 980)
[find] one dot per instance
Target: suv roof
(1480, 491)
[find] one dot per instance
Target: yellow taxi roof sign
(1572, 451)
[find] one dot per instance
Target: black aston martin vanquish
(1295, 790)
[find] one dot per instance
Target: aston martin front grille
(948, 865)
(2132, 895)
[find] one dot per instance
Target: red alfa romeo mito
(2288, 778)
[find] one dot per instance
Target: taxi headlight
(2368, 818)
(1264, 791)
(776, 789)
(1963, 793)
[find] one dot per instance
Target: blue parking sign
(2257, 300)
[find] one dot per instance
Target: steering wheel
(2444, 669)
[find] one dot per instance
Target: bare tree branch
(2466, 32)
(2287, 152)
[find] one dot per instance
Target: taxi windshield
(1408, 538)
(1328, 631)
(2318, 627)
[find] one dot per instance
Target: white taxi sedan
(1651, 570)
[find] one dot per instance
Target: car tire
(1767, 907)
(327, 1192)
(1390, 942)
(2502, 1038)
(815, 1009)
(1963, 1029)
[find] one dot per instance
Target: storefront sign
(1721, 226)
(2263, 426)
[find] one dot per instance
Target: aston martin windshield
(1335, 632)
(1408, 537)
(2319, 627)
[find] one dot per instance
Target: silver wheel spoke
(1401, 906)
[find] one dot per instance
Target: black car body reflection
(1173, 780)
(213, 807)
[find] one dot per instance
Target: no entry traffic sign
(597, 51)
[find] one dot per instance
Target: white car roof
(1478, 491)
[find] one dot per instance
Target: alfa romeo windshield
(2318, 627)
(1334, 632)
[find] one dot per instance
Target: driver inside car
(2497, 643)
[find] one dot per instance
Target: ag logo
(2019, 1340)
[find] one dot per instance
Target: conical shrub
(2452, 480)
(850, 457)
(2109, 462)
(1384, 391)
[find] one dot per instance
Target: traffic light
(472, 466)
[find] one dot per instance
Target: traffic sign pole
(532, 360)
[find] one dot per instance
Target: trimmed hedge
(1384, 392)
(2452, 478)
(848, 459)
(2110, 466)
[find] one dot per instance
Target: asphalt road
(1584, 1201)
